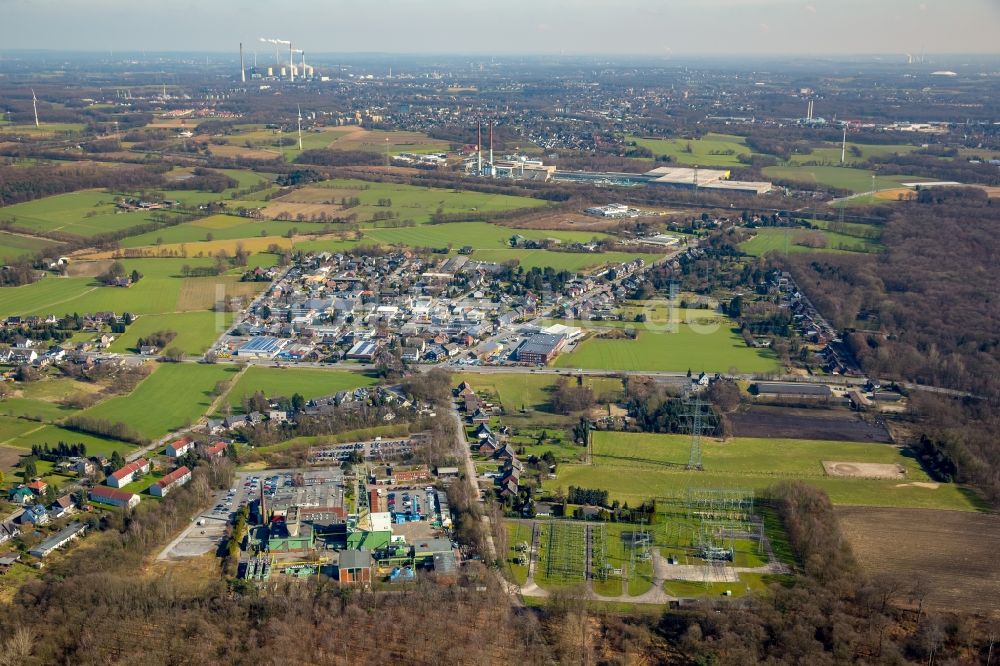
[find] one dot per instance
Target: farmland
(217, 227)
(173, 396)
(772, 239)
(276, 382)
(156, 293)
(855, 180)
(712, 150)
(52, 435)
(195, 330)
(533, 392)
(478, 235)
(84, 213)
(829, 153)
(954, 553)
(635, 467)
(16, 245)
(568, 261)
(710, 345)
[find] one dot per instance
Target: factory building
(265, 347)
(540, 349)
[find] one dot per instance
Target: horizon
(630, 28)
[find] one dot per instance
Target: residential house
(20, 496)
(179, 447)
(175, 479)
(128, 473)
(58, 540)
(113, 496)
(64, 506)
(36, 515)
(216, 450)
(8, 530)
(38, 487)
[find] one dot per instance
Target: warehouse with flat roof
(541, 348)
(264, 346)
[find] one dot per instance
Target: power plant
(517, 167)
(280, 69)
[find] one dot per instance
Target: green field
(219, 227)
(12, 428)
(569, 261)
(174, 396)
(532, 392)
(712, 150)
(829, 153)
(413, 202)
(635, 467)
(84, 213)
(782, 240)
(196, 331)
(478, 235)
(52, 435)
(707, 345)
(309, 383)
(855, 180)
(16, 245)
(156, 293)
(39, 400)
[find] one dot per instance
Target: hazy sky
(658, 27)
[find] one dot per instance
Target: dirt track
(955, 551)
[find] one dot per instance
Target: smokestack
(492, 171)
(479, 150)
(243, 68)
(291, 63)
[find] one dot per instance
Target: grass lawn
(479, 235)
(569, 261)
(706, 345)
(409, 201)
(829, 153)
(16, 245)
(309, 383)
(855, 180)
(52, 435)
(217, 227)
(174, 396)
(141, 486)
(156, 293)
(713, 150)
(769, 239)
(40, 400)
(517, 533)
(11, 428)
(636, 467)
(85, 213)
(196, 331)
(532, 392)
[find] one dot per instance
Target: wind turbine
(34, 104)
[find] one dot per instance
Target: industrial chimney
(479, 149)
(243, 69)
(291, 63)
(492, 170)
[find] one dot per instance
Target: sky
(502, 27)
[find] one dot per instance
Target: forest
(924, 311)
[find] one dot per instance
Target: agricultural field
(409, 201)
(577, 262)
(85, 213)
(13, 246)
(517, 391)
(478, 235)
(829, 153)
(708, 345)
(358, 138)
(175, 395)
(783, 240)
(39, 400)
(157, 292)
(855, 180)
(310, 383)
(712, 150)
(954, 553)
(635, 467)
(196, 331)
(52, 435)
(215, 227)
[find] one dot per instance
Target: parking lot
(206, 531)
